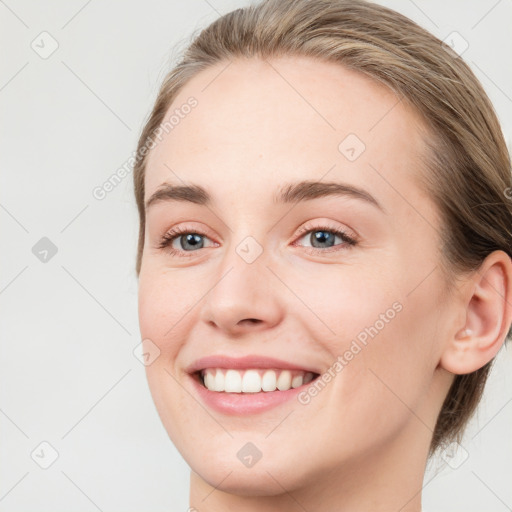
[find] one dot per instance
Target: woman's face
(270, 277)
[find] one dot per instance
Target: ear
(488, 316)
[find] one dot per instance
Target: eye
(324, 237)
(188, 241)
(321, 238)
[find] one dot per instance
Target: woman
(324, 256)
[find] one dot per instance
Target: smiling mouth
(223, 380)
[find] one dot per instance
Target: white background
(69, 326)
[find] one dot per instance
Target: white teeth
(284, 381)
(233, 382)
(297, 381)
(253, 380)
(268, 382)
(209, 380)
(218, 384)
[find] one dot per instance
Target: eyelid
(349, 240)
(329, 225)
(175, 232)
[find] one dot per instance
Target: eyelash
(167, 239)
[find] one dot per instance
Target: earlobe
(488, 316)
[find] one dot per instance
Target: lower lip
(237, 404)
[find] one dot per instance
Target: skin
(362, 443)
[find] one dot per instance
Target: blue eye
(324, 237)
(320, 238)
(185, 238)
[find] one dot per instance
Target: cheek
(342, 302)
(163, 319)
(380, 383)
(383, 342)
(390, 375)
(165, 300)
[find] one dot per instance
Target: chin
(247, 482)
(270, 476)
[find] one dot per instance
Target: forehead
(259, 123)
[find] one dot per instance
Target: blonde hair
(467, 162)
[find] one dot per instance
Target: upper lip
(246, 362)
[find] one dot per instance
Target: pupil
(322, 237)
(194, 239)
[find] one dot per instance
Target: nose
(243, 297)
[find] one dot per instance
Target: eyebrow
(289, 193)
